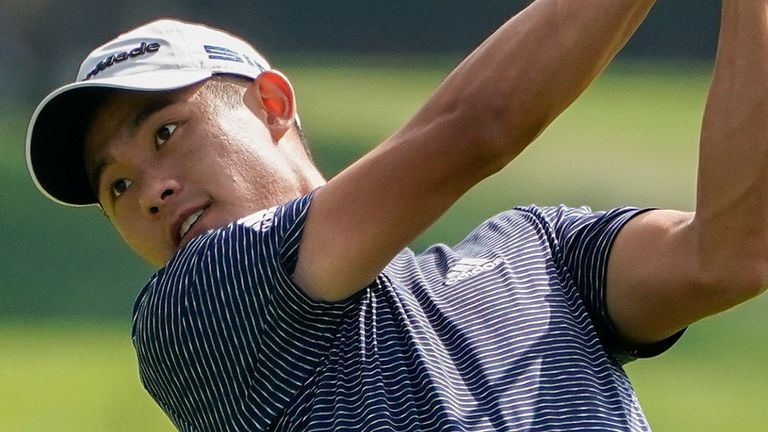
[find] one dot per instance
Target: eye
(119, 187)
(163, 133)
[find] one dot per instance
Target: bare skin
(667, 269)
(154, 171)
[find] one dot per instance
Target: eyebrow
(146, 111)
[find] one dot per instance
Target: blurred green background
(630, 140)
(67, 283)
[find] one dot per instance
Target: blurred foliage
(66, 362)
(67, 282)
(630, 140)
(81, 377)
(42, 42)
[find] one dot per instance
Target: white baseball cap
(158, 56)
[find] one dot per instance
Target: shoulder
(552, 215)
(557, 228)
(253, 256)
(564, 220)
(534, 215)
(530, 222)
(268, 235)
(223, 308)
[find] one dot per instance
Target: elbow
(753, 279)
(731, 264)
(734, 279)
(497, 121)
(498, 129)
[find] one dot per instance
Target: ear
(274, 95)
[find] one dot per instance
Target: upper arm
(655, 286)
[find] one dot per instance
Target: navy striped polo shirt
(506, 331)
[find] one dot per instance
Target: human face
(169, 166)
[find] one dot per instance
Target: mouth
(188, 222)
(182, 229)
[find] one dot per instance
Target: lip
(177, 240)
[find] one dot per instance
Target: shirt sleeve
(224, 338)
(583, 241)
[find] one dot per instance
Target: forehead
(123, 112)
(128, 109)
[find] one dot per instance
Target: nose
(156, 195)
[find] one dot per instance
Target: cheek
(145, 240)
(236, 163)
(247, 177)
(241, 165)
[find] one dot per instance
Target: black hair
(229, 89)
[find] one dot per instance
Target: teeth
(187, 224)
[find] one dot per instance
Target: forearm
(732, 204)
(484, 114)
(531, 69)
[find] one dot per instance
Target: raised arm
(482, 116)
(670, 269)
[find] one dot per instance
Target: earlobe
(276, 98)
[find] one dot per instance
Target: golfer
(285, 302)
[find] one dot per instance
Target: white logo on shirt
(468, 267)
(261, 221)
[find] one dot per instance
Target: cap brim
(57, 130)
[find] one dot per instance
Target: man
(287, 303)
